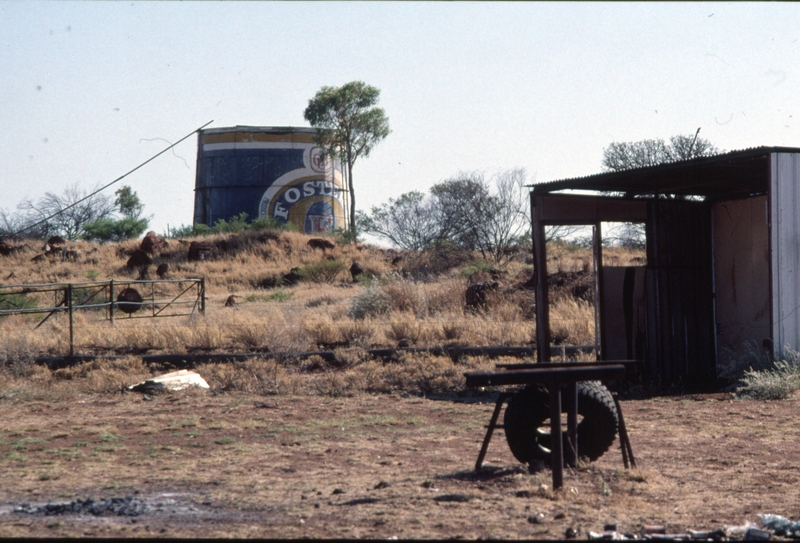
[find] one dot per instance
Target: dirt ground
(191, 464)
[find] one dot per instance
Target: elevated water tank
(279, 173)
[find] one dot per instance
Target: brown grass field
(356, 448)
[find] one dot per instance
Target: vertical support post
(203, 295)
(557, 453)
(597, 249)
(71, 321)
(111, 300)
(571, 399)
(540, 279)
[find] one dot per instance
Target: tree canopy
(467, 210)
(348, 126)
(131, 225)
(620, 156)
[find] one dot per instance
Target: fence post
(203, 295)
(71, 323)
(111, 300)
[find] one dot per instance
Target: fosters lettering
(312, 203)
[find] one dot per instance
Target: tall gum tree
(348, 126)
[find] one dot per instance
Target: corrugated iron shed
(722, 266)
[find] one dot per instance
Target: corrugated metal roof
(726, 175)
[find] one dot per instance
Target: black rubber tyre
(530, 408)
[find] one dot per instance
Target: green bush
(324, 271)
(10, 302)
(475, 267)
(775, 383)
(236, 224)
(115, 229)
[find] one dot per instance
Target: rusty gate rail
(20, 299)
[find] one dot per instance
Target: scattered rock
(54, 242)
(475, 295)
(231, 301)
(152, 243)
(71, 255)
(320, 243)
(337, 491)
(292, 278)
(7, 248)
(38, 258)
(536, 518)
(138, 259)
(199, 251)
(162, 270)
(381, 485)
(356, 270)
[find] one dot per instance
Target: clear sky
(91, 89)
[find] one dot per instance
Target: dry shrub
(487, 331)
(250, 337)
(252, 376)
(404, 327)
(323, 271)
(422, 374)
(360, 333)
(452, 330)
(349, 357)
(572, 322)
(322, 330)
(405, 296)
(104, 375)
(333, 383)
(445, 297)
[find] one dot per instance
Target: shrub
(115, 229)
(324, 271)
(775, 383)
(371, 302)
(476, 267)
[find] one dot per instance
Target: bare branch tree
(410, 222)
(651, 152)
(65, 214)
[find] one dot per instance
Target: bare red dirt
(195, 465)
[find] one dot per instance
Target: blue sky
(92, 89)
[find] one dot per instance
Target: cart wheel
(527, 422)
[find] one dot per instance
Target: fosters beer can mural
(278, 173)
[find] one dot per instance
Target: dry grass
(408, 300)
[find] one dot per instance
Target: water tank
(274, 172)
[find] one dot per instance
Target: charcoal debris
(120, 507)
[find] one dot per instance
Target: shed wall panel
(679, 293)
(785, 241)
(741, 269)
